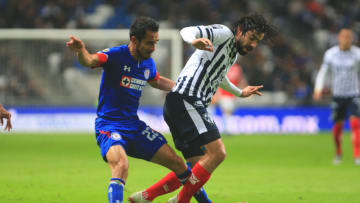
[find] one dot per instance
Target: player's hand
(75, 44)
(7, 115)
(317, 95)
(250, 90)
(203, 44)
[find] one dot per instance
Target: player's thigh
(214, 155)
(354, 107)
(339, 109)
(189, 119)
(145, 143)
(167, 157)
(215, 148)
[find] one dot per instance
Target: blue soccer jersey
(122, 82)
(121, 85)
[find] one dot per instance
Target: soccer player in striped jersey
(119, 131)
(343, 61)
(4, 114)
(194, 131)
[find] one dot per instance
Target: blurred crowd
(307, 28)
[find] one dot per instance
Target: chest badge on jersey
(147, 74)
(115, 136)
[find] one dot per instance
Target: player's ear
(133, 40)
(238, 31)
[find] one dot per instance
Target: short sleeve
(106, 56)
(327, 58)
(153, 75)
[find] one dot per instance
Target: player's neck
(344, 48)
(133, 51)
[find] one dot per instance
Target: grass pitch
(258, 169)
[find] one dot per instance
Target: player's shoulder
(221, 32)
(121, 48)
(332, 50)
(220, 28)
(355, 49)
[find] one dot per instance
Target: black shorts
(190, 124)
(343, 106)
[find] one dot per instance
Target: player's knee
(178, 165)
(120, 167)
(218, 156)
(221, 155)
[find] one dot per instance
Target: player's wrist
(239, 93)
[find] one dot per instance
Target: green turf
(258, 169)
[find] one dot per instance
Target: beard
(242, 50)
(142, 55)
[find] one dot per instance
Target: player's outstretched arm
(163, 83)
(84, 57)
(7, 115)
(250, 90)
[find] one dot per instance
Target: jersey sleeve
(105, 56)
(154, 75)
(320, 78)
(216, 33)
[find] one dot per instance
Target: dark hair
(141, 25)
(257, 23)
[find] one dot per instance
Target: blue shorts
(140, 141)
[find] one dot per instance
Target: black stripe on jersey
(207, 64)
(192, 78)
(201, 34)
(215, 78)
(181, 84)
(233, 51)
(208, 34)
(199, 79)
(212, 35)
(212, 72)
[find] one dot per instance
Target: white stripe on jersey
(345, 67)
(205, 70)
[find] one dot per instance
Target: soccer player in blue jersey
(119, 132)
(7, 115)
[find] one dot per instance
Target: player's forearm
(189, 34)
(87, 59)
(163, 84)
(228, 86)
(320, 78)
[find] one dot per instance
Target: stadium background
(39, 72)
(48, 91)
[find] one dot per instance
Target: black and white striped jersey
(344, 67)
(204, 71)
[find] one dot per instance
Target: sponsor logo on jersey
(132, 83)
(147, 74)
(115, 136)
(125, 81)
